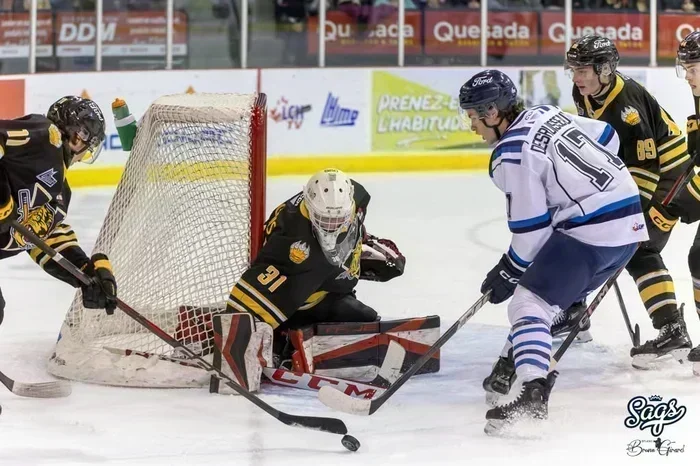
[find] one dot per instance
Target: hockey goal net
(181, 228)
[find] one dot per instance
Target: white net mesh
(178, 235)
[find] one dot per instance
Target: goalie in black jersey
(655, 152)
(688, 68)
(315, 250)
(35, 152)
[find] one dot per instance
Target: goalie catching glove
(380, 260)
(101, 293)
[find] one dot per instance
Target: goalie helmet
(83, 118)
(688, 52)
(596, 51)
(329, 198)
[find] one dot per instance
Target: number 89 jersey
(652, 145)
(560, 171)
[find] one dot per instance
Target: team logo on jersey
(630, 115)
(55, 136)
(48, 177)
(299, 252)
(353, 272)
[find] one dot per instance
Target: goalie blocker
(243, 347)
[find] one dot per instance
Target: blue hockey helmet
(487, 91)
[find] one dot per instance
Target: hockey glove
(101, 293)
(660, 221)
(501, 280)
(8, 212)
(380, 260)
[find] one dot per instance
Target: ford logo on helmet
(481, 80)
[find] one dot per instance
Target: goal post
(184, 222)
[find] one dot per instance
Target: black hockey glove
(101, 293)
(660, 221)
(8, 212)
(381, 260)
(501, 280)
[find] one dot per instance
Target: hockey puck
(350, 442)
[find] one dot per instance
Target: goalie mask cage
(182, 226)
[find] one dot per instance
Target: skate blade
(645, 361)
(584, 336)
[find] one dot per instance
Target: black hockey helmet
(596, 51)
(688, 52)
(74, 115)
(486, 91)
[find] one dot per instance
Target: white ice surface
(452, 229)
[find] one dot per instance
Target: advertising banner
(630, 32)
(459, 32)
(316, 111)
(672, 29)
(417, 109)
(124, 34)
(344, 35)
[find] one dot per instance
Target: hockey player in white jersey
(575, 215)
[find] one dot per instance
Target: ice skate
(673, 340)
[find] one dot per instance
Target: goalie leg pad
(356, 350)
(242, 348)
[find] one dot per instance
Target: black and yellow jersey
(291, 273)
(32, 162)
(651, 143)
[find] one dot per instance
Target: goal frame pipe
(258, 172)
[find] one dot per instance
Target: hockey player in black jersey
(688, 68)
(655, 152)
(314, 252)
(35, 152)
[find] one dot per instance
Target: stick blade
(55, 389)
(324, 424)
(339, 401)
(393, 362)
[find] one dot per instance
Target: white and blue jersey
(560, 172)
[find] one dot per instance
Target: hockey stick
(681, 181)
(53, 389)
(634, 334)
(342, 402)
(331, 425)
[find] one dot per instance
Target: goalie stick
(53, 389)
(330, 425)
(681, 181)
(342, 402)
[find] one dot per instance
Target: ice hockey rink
(451, 228)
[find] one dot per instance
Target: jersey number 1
(575, 156)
